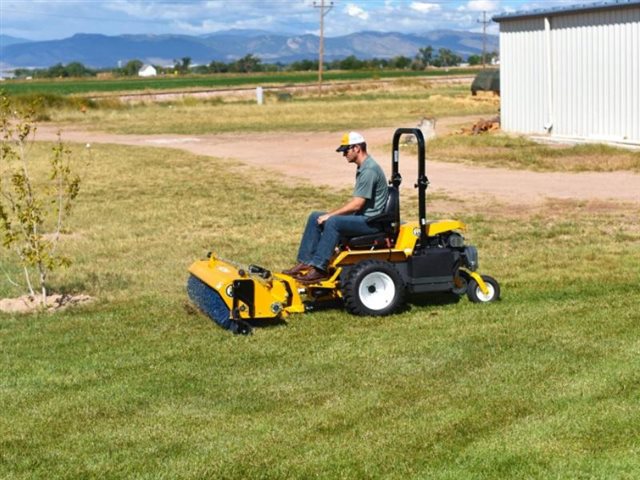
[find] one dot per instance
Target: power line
(323, 12)
(484, 23)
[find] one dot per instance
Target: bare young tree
(33, 212)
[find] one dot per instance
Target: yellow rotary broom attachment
(234, 296)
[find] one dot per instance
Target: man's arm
(352, 206)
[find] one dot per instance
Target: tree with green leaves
(425, 55)
(132, 67)
(446, 58)
(304, 66)
(33, 209)
(182, 65)
(73, 69)
(57, 71)
(400, 62)
(247, 64)
(351, 63)
(218, 67)
(474, 59)
(77, 70)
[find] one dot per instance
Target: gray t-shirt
(371, 184)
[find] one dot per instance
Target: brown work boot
(314, 275)
(299, 268)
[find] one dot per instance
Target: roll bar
(423, 181)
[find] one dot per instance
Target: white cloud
(206, 26)
(153, 10)
(355, 11)
(61, 18)
(424, 7)
(387, 8)
(482, 5)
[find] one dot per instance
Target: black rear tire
(373, 287)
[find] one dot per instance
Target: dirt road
(311, 157)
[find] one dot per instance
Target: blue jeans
(319, 241)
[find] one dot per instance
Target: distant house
(147, 71)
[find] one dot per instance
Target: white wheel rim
(376, 291)
(488, 296)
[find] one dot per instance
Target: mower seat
(388, 222)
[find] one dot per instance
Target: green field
(97, 86)
(543, 384)
(346, 108)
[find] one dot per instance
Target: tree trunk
(43, 284)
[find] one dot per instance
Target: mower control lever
(260, 271)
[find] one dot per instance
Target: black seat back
(389, 220)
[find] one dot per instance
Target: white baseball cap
(348, 139)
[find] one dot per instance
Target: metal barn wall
(524, 88)
(593, 89)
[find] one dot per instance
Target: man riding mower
(369, 273)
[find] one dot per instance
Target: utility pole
(324, 9)
(484, 23)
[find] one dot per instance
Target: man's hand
(323, 218)
(352, 206)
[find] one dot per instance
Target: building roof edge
(549, 12)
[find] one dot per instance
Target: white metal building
(572, 72)
(147, 71)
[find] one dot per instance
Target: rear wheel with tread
(373, 287)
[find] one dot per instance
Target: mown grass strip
(543, 384)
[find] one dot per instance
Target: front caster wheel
(374, 288)
(476, 295)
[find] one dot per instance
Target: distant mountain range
(100, 51)
(6, 40)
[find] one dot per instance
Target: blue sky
(54, 19)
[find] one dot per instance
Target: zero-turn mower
(369, 275)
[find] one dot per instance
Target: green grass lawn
(543, 384)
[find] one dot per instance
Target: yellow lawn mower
(369, 275)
